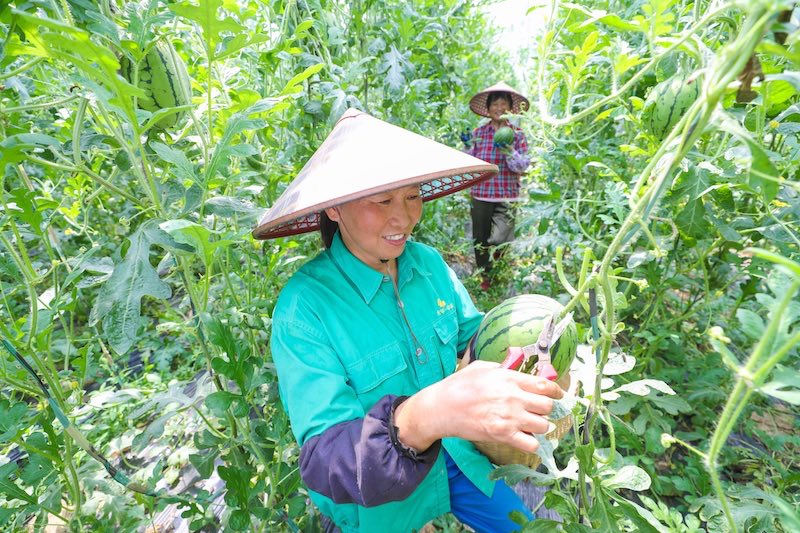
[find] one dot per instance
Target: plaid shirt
(504, 186)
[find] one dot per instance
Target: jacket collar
(366, 279)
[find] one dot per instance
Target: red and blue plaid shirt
(504, 186)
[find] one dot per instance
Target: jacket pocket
(446, 328)
(376, 368)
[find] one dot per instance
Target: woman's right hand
(482, 402)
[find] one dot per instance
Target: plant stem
(43, 105)
(745, 386)
(95, 177)
(22, 68)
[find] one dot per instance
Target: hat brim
(519, 104)
(431, 188)
(363, 156)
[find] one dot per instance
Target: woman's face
(378, 227)
(498, 108)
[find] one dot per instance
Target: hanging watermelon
(164, 79)
(666, 104)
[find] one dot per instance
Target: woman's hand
(482, 402)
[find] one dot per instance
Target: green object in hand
(504, 136)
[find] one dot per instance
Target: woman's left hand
(482, 402)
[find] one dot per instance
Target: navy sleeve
(362, 461)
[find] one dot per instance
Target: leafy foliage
(131, 284)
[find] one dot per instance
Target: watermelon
(666, 104)
(504, 136)
(164, 79)
(517, 322)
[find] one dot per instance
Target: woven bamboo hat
(363, 156)
(518, 102)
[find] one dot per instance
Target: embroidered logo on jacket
(443, 306)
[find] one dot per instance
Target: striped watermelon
(518, 322)
(164, 79)
(504, 136)
(666, 104)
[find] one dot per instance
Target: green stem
(134, 147)
(776, 358)
(22, 68)
(77, 126)
(19, 385)
(208, 423)
(746, 384)
(612, 437)
(70, 463)
(560, 271)
(95, 177)
(44, 105)
(691, 448)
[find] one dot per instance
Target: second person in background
(492, 200)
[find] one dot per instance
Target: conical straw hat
(518, 102)
(363, 156)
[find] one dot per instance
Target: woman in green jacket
(366, 338)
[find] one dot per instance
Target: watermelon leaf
(628, 477)
(237, 124)
(752, 324)
(785, 385)
(395, 65)
(183, 167)
(643, 520)
(762, 174)
(11, 417)
(293, 85)
(204, 14)
(119, 302)
(228, 206)
(196, 236)
(204, 463)
(14, 147)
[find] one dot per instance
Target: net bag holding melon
(507, 335)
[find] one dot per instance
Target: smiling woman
(375, 229)
(366, 337)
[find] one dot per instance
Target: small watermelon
(666, 104)
(517, 322)
(164, 79)
(504, 136)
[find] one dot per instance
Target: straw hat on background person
(363, 156)
(480, 106)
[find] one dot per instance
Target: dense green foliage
(132, 286)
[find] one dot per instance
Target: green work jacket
(340, 343)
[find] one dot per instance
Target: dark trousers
(492, 224)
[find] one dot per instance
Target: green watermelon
(518, 322)
(666, 104)
(164, 79)
(504, 136)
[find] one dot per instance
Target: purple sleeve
(362, 461)
(518, 162)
